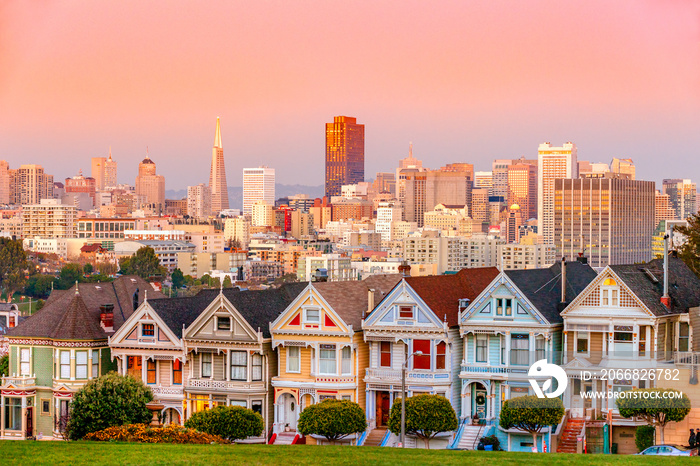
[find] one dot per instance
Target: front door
(290, 411)
(480, 403)
(30, 423)
(383, 408)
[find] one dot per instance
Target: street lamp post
(404, 366)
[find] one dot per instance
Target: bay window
(346, 360)
(385, 354)
(150, 372)
(440, 349)
(24, 361)
(206, 364)
(239, 365)
(519, 349)
(13, 413)
(81, 364)
(540, 352)
(64, 364)
(422, 361)
(95, 364)
(481, 348)
(177, 372)
(257, 367)
(327, 360)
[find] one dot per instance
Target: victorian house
(321, 350)
(417, 325)
(229, 352)
(622, 332)
(514, 322)
(57, 350)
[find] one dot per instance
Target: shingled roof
(350, 299)
(542, 287)
(443, 292)
(63, 318)
(176, 312)
(646, 281)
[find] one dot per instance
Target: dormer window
(148, 330)
(223, 323)
(406, 312)
(610, 293)
(312, 316)
(504, 306)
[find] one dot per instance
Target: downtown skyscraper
(217, 176)
(345, 154)
(552, 163)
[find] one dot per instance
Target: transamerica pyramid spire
(217, 176)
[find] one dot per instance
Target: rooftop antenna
(410, 150)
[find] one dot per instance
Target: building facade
(345, 154)
(552, 163)
(258, 185)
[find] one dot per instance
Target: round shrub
(426, 416)
(333, 419)
(111, 400)
(229, 422)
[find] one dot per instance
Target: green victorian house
(60, 348)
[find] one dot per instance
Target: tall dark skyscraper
(345, 153)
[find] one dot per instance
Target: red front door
(30, 423)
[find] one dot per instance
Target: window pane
(257, 367)
(423, 361)
(440, 355)
(177, 372)
(239, 365)
(347, 360)
(293, 359)
(312, 315)
(328, 363)
(385, 354)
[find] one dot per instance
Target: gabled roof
(646, 281)
(176, 312)
(442, 292)
(350, 299)
(53, 319)
(257, 307)
(542, 287)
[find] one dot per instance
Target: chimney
(563, 279)
(405, 269)
(665, 299)
(370, 300)
(107, 317)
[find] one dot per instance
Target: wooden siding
(596, 347)
(164, 371)
(362, 355)
(456, 349)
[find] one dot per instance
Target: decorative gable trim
(297, 306)
(523, 303)
(218, 303)
(128, 333)
(594, 286)
(400, 294)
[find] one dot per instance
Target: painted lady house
(229, 350)
(514, 322)
(57, 350)
(417, 324)
(321, 350)
(622, 322)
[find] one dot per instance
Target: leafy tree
(657, 406)
(99, 278)
(177, 278)
(70, 273)
(227, 282)
(13, 263)
(88, 268)
(426, 416)
(39, 285)
(286, 278)
(216, 282)
(531, 414)
(333, 419)
(189, 280)
(5, 365)
(229, 422)
(690, 251)
(644, 437)
(206, 279)
(110, 400)
(106, 268)
(143, 263)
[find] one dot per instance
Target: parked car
(670, 450)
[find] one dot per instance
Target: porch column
(531, 348)
(227, 365)
(611, 339)
(507, 348)
(656, 341)
(144, 365)
(635, 340)
(565, 349)
(24, 416)
(2, 416)
(465, 344)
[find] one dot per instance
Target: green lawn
(72, 453)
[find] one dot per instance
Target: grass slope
(75, 453)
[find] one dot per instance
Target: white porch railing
(411, 376)
(167, 391)
(223, 384)
(22, 382)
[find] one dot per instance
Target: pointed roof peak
(110, 153)
(217, 137)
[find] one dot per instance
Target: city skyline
(620, 80)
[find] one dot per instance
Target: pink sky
(465, 81)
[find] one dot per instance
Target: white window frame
(586, 336)
(154, 330)
(481, 337)
(413, 312)
(344, 360)
(211, 365)
(297, 358)
(95, 370)
(81, 365)
(62, 364)
(223, 329)
(231, 366)
(327, 360)
(306, 315)
(25, 364)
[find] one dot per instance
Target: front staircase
(470, 437)
(568, 438)
(285, 438)
(374, 438)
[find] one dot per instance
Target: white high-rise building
(258, 185)
(263, 214)
(199, 201)
(387, 214)
(552, 163)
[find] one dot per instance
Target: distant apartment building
(608, 219)
(199, 201)
(58, 246)
(522, 188)
(345, 154)
(258, 185)
(204, 263)
(552, 163)
(449, 253)
(104, 172)
(483, 179)
(526, 256)
(104, 228)
(338, 267)
(176, 207)
(11, 227)
(150, 187)
(449, 218)
(623, 166)
(237, 230)
(81, 184)
(352, 209)
(499, 176)
(4, 182)
(29, 184)
(49, 219)
(367, 239)
(302, 224)
(413, 194)
(663, 210)
(166, 250)
(387, 214)
(262, 271)
(262, 214)
(682, 194)
(155, 234)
